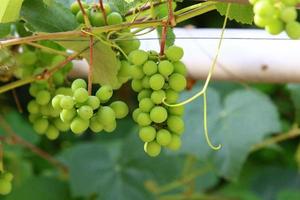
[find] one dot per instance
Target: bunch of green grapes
(156, 79)
(5, 182)
(81, 111)
(7, 62)
(276, 16)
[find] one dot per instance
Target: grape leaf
(243, 120)
(4, 29)
(240, 13)
(105, 63)
(48, 18)
(295, 96)
(288, 194)
(10, 10)
(170, 39)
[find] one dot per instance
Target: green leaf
(105, 63)
(37, 188)
(170, 39)
(4, 29)
(10, 10)
(240, 13)
(295, 96)
(243, 120)
(48, 18)
(288, 194)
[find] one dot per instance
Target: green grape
(157, 81)
(137, 85)
(33, 89)
(146, 105)
(136, 113)
(79, 17)
(78, 83)
(110, 127)
(153, 149)
(106, 115)
(107, 8)
(145, 93)
(180, 68)
(5, 187)
(114, 18)
(163, 137)
(125, 69)
(67, 102)
(52, 132)
(293, 30)
(158, 96)
(175, 124)
(79, 125)
(95, 125)
(143, 119)
(67, 115)
(147, 133)
(33, 107)
(165, 68)
(275, 27)
(97, 18)
(60, 125)
(136, 72)
(290, 2)
(261, 21)
(178, 110)
(43, 97)
(28, 58)
(129, 44)
(146, 82)
(53, 112)
(288, 14)
(264, 8)
(171, 96)
(64, 91)
(138, 57)
(75, 7)
(44, 110)
(174, 53)
(120, 108)
(58, 78)
(81, 95)
(56, 101)
(175, 143)
(104, 93)
(158, 114)
(33, 117)
(85, 112)
(177, 82)
(40, 125)
(94, 102)
(150, 68)
(7, 176)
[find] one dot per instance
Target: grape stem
(163, 38)
(143, 8)
(103, 11)
(48, 49)
(85, 16)
(90, 73)
(17, 101)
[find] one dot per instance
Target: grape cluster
(276, 16)
(80, 111)
(7, 62)
(156, 79)
(5, 182)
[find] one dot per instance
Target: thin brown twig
(171, 17)
(85, 16)
(103, 11)
(90, 74)
(163, 38)
(17, 101)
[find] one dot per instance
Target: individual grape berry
(95, 125)
(75, 8)
(67, 102)
(171, 96)
(97, 18)
(137, 85)
(5, 187)
(288, 14)
(56, 101)
(120, 108)
(157, 82)
(293, 30)
(43, 97)
(136, 72)
(152, 148)
(94, 102)
(28, 58)
(175, 143)
(158, 114)
(33, 107)
(275, 27)
(52, 132)
(58, 78)
(104, 93)
(135, 114)
(158, 96)
(64, 91)
(177, 82)
(178, 110)
(114, 18)
(125, 69)
(138, 57)
(107, 8)
(264, 8)
(85, 112)
(163, 137)
(165, 68)
(79, 125)
(40, 125)
(60, 125)
(147, 133)
(81, 95)
(78, 83)
(143, 119)
(79, 16)
(144, 94)
(110, 127)
(150, 68)
(129, 44)
(146, 82)
(67, 115)
(180, 68)
(106, 115)
(174, 53)
(146, 105)
(175, 124)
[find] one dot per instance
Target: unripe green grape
(104, 93)
(60, 125)
(138, 57)
(110, 127)
(5, 187)
(130, 44)
(107, 8)
(106, 115)
(7, 176)
(94, 102)
(136, 72)
(53, 112)
(275, 27)
(178, 110)
(289, 2)
(153, 149)
(145, 93)
(58, 78)
(114, 18)
(95, 125)
(56, 101)
(288, 14)
(177, 82)
(33, 117)
(137, 85)
(79, 17)
(28, 58)
(40, 125)
(158, 96)
(158, 114)
(146, 82)
(136, 113)
(33, 107)
(143, 119)
(171, 96)
(120, 108)
(79, 125)
(180, 68)
(157, 81)
(293, 30)
(175, 124)
(165, 68)
(97, 18)
(43, 97)
(33, 89)
(67, 115)
(147, 133)
(146, 105)
(44, 110)
(125, 69)
(67, 102)
(52, 132)
(175, 143)
(261, 21)
(78, 83)
(150, 68)
(81, 95)
(64, 91)
(85, 112)
(163, 137)
(75, 7)
(174, 53)
(264, 8)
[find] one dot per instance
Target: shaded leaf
(10, 10)
(4, 29)
(295, 96)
